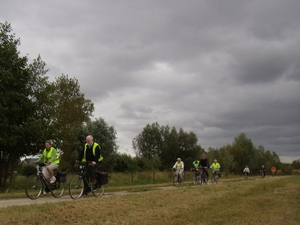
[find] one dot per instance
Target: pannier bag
(61, 176)
(102, 177)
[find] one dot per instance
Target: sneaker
(44, 192)
(52, 180)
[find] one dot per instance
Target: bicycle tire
(59, 189)
(215, 179)
(76, 186)
(99, 191)
(33, 187)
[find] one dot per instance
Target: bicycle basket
(61, 176)
(102, 177)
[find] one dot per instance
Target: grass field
(232, 201)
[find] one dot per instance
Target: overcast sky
(217, 68)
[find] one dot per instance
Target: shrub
(28, 170)
(19, 182)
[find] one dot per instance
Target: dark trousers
(90, 173)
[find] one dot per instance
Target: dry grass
(255, 201)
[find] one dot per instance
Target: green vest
(94, 148)
(179, 164)
(196, 164)
(215, 166)
(48, 155)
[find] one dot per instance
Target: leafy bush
(19, 182)
(28, 170)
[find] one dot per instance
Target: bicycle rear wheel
(33, 187)
(76, 186)
(58, 189)
(99, 191)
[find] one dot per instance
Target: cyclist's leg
(46, 173)
(206, 174)
(50, 169)
(176, 176)
(181, 175)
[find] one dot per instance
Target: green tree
(18, 81)
(296, 164)
(156, 141)
(226, 160)
(148, 142)
(170, 148)
(70, 109)
(242, 151)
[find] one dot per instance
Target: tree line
(34, 109)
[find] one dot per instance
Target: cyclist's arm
(175, 165)
(41, 158)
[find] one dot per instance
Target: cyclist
(273, 170)
(90, 153)
(195, 168)
(51, 158)
(263, 171)
(215, 166)
(179, 166)
(195, 164)
(246, 171)
(204, 165)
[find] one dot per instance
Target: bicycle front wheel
(33, 187)
(58, 189)
(215, 179)
(76, 186)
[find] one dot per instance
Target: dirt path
(50, 199)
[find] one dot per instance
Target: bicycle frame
(196, 175)
(76, 185)
(36, 184)
(178, 179)
(215, 176)
(203, 177)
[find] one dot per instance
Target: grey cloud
(215, 68)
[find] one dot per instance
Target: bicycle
(76, 185)
(246, 175)
(178, 179)
(203, 176)
(37, 184)
(215, 177)
(263, 173)
(196, 176)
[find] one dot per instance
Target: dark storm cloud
(215, 68)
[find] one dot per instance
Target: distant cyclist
(204, 164)
(263, 171)
(273, 170)
(179, 166)
(215, 166)
(246, 171)
(195, 168)
(195, 164)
